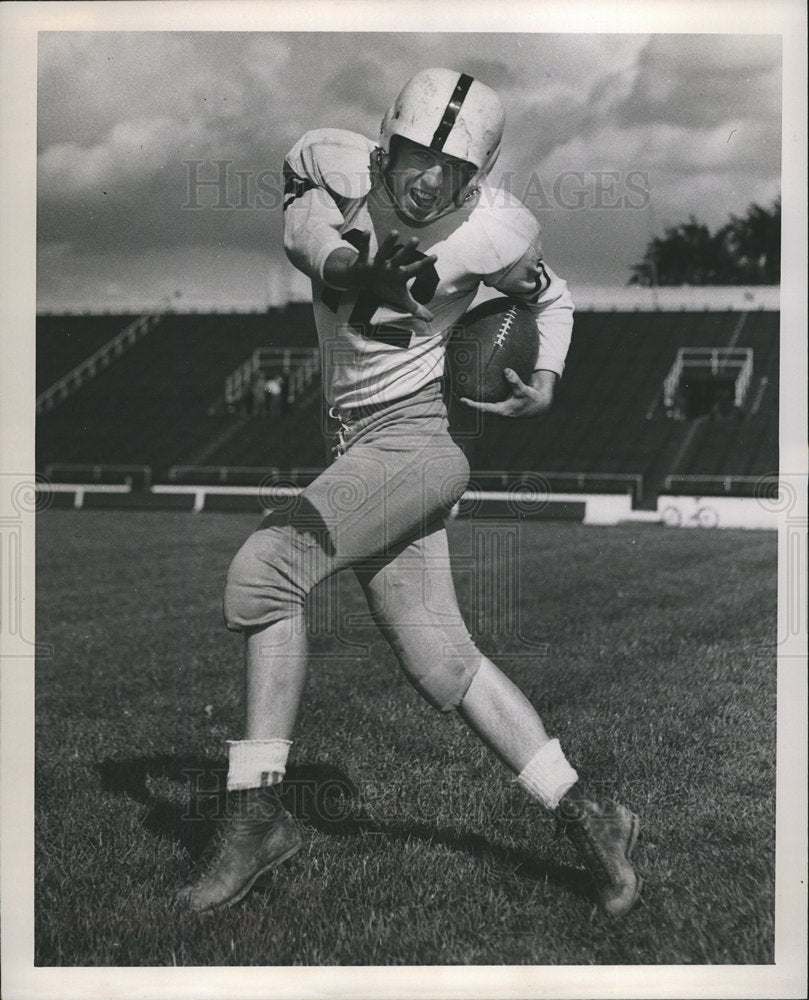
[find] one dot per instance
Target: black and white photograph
(404, 500)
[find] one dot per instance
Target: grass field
(649, 652)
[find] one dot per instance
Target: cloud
(361, 83)
(221, 277)
(739, 146)
(266, 58)
(89, 82)
(700, 81)
(225, 85)
(572, 91)
(123, 114)
(131, 154)
(495, 73)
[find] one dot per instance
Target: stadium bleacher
(157, 404)
(64, 341)
(745, 443)
(295, 440)
(608, 417)
(152, 405)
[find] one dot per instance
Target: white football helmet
(452, 113)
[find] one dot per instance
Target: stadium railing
(708, 485)
(241, 475)
(561, 481)
(134, 476)
(97, 361)
(301, 365)
(526, 480)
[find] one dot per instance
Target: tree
(754, 242)
(746, 251)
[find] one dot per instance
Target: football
(498, 334)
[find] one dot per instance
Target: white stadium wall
(598, 509)
(716, 512)
(686, 298)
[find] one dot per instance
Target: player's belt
(351, 414)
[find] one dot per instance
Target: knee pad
(444, 679)
(434, 649)
(412, 599)
(269, 578)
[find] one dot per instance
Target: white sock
(255, 763)
(548, 775)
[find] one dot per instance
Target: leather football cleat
(259, 835)
(604, 834)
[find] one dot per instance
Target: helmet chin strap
(379, 171)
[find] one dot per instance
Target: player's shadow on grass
(186, 796)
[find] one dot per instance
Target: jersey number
(543, 282)
(367, 302)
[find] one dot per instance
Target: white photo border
(20, 23)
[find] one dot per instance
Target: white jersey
(372, 352)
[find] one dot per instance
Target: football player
(397, 238)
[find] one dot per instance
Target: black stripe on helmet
(451, 111)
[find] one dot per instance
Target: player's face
(424, 181)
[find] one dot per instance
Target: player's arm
(322, 169)
(548, 298)
(527, 399)
(531, 281)
(326, 167)
(388, 275)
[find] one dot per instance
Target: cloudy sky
(609, 139)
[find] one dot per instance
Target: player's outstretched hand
(525, 400)
(388, 275)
